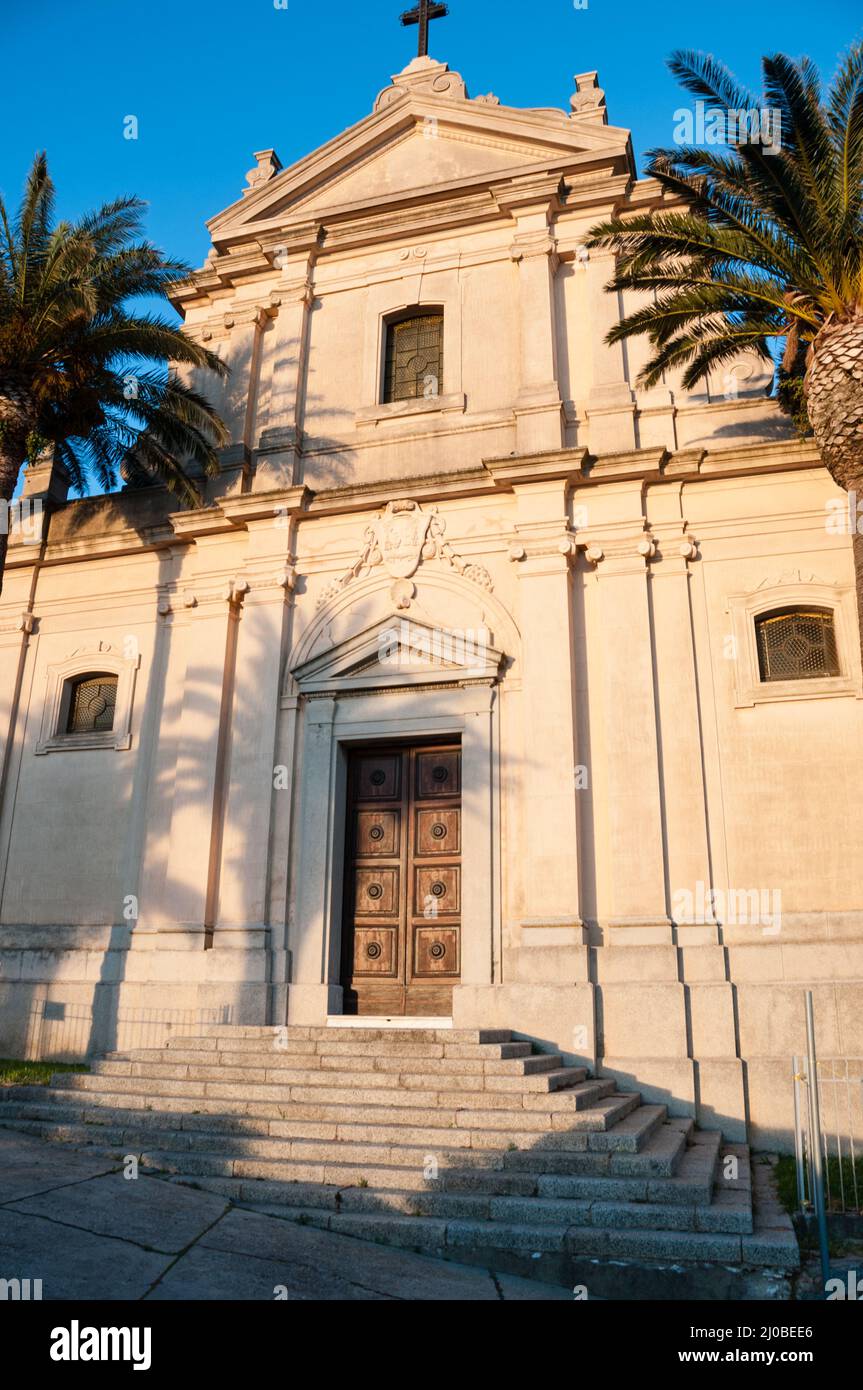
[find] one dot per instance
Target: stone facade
(602, 554)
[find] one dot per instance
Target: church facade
(485, 686)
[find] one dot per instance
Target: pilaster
(611, 407)
(280, 443)
(201, 664)
(309, 996)
(621, 549)
(539, 413)
(270, 577)
(542, 551)
(236, 335)
(684, 791)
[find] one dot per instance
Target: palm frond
(73, 337)
(762, 242)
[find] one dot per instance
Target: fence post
(798, 1138)
(817, 1154)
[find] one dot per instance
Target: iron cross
(421, 13)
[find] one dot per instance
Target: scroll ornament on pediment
(398, 541)
(791, 577)
(423, 77)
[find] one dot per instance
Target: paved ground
(72, 1220)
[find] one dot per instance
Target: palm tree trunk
(834, 400)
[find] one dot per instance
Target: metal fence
(840, 1107)
(64, 1032)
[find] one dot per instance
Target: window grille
(414, 358)
(92, 704)
(797, 644)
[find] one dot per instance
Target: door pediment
(400, 652)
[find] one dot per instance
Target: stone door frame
(331, 724)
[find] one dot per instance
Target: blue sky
(211, 81)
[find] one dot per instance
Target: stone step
(337, 1165)
(467, 1143)
(201, 1112)
(346, 1043)
(642, 1198)
(544, 1211)
(660, 1157)
(242, 1136)
(645, 1190)
(558, 1078)
(467, 1128)
(487, 1204)
(307, 1052)
(452, 1238)
(242, 1115)
(192, 1099)
(359, 1034)
(256, 1067)
(377, 1089)
(352, 1157)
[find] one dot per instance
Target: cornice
(507, 473)
(260, 506)
(654, 467)
(462, 482)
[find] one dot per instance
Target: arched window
(414, 357)
(796, 644)
(92, 703)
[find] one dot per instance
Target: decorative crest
(398, 540)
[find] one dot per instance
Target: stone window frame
(386, 304)
(745, 609)
(62, 676)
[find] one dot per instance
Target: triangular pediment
(398, 652)
(420, 142)
(423, 156)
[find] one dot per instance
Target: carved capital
(251, 315)
(21, 622)
(297, 292)
(235, 590)
(541, 544)
(286, 578)
(532, 245)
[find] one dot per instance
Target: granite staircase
(466, 1144)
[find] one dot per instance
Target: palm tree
(767, 244)
(80, 370)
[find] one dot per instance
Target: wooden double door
(401, 937)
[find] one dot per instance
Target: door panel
(438, 774)
(438, 832)
(378, 833)
(378, 779)
(437, 891)
(377, 951)
(401, 933)
(436, 951)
